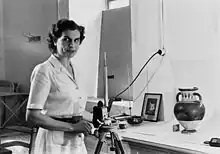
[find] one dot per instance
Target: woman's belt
(73, 119)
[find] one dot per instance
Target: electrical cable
(163, 48)
(149, 80)
(162, 25)
(160, 52)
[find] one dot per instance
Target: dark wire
(138, 74)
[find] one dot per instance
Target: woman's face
(68, 44)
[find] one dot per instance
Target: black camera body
(97, 114)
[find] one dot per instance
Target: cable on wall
(162, 25)
(146, 85)
(137, 75)
(162, 47)
(162, 53)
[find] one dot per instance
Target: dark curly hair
(61, 26)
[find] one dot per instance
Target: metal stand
(105, 127)
(116, 144)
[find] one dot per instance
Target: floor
(26, 138)
(90, 141)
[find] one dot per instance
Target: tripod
(116, 144)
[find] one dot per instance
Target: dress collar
(57, 65)
(55, 62)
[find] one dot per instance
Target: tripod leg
(98, 147)
(100, 143)
(121, 147)
(117, 148)
(112, 148)
(118, 144)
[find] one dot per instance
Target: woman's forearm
(40, 120)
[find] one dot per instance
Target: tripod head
(101, 115)
(101, 111)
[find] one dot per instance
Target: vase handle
(177, 96)
(199, 96)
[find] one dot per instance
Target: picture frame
(151, 106)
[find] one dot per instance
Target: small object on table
(122, 124)
(135, 120)
(176, 128)
(214, 142)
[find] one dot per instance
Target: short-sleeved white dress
(56, 93)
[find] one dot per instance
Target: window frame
(109, 1)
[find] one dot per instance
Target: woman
(55, 96)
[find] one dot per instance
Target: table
(4, 105)
(158, 137)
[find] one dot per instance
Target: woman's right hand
(82, 127)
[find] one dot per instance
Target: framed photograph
(151, 106)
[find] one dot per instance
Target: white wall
(84, 12)
(192, 45)
(2, 55)
(89, 14)
(63, 9)
(146, 40)
(18, 57)
(23, 16)
(192, 39)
